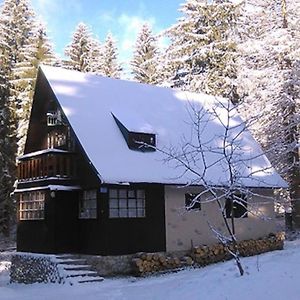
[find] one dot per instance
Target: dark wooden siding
(58, 232)
(126, 235)
(37, 235)
(62, 231)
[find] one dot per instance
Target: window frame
(32, 206)
(88, 205)
(126, 203)
(239, 210)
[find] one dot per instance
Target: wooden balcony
(50, 163)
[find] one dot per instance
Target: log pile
(204, 255)
(254, 247)
(147, 263)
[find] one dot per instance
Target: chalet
(92, 179)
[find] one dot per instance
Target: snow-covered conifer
(78, 51)
(110, 66)
(145, 57)
(202, 53)
(95, 56)
(37, 51)
(269, 78)
(17, 32)
(7, 147)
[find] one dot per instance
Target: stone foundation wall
(110, 265)
(147, 263)
(32, 268)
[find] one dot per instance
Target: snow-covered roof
(89, 102)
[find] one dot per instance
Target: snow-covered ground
(272, 275)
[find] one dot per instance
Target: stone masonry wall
(32, 268)
(110, 265)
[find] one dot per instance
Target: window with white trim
(88, 205)
(126, 203)
(32, 205)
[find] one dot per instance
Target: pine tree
(79, 49)
(145, 58)
(37, 51)
(96, 56)
(18, 42)
(202, 54)
(17, 19)
(7, 145)
(269, 76)
(110, 66)
(5, 177)
(17, 23)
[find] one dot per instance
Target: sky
(122, 18)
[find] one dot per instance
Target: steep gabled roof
(90, 103)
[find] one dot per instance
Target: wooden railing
(45, 166)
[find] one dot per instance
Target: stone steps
(76, 270)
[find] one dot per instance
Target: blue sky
(122, 18)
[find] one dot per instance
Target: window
(191, 202)
(236, 206)
(141, 141)
(88, 205)
(54, 118)
(125, 203)
(32, 206)
(56, 139)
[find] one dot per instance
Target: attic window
(137, 140)
(54, 118)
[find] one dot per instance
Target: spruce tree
(110, 66)
(145, 57)
(18, 43)
(17, 25)
(96, 56)
(79, 50)
(269, 77)
(37, 51)
(202, 54)
(7, 147)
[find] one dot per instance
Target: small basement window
(236, 206)
(32, 206)
(88, 205)
(191, 202)
(125, 203)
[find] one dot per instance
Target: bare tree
(222, 157)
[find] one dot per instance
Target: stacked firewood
(145, 263)
(204, 255)
(254, 247)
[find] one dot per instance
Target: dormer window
(144, 141)
(141, 141)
